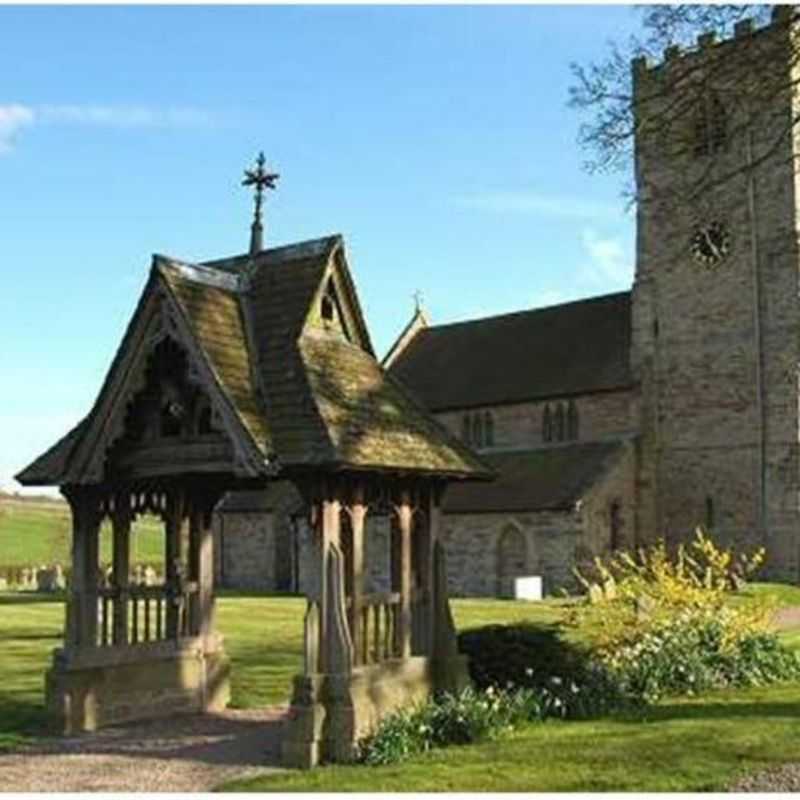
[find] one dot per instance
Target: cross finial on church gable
(417, 301)
(260, 179)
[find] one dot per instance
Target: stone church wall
(473, 541)
(247, 548)
(553, 541)
(615, 488)
(376, 555)
(601, 416)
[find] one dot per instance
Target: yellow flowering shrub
(631, 593)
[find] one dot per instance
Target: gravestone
(26, 578)
(47, 579)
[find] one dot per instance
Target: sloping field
(35, 531)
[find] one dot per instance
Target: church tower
(716, 315)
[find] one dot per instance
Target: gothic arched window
(572, 421)
(547, 424)
(560, 423)
(488, 429)
(477, 430)
(710, 126)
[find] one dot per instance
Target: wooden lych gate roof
(294, 387)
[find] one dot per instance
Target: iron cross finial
(417, 300)
(260, 179)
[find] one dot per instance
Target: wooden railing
(379, 625)
(143, 614)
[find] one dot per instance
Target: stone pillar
(121, 525)
(82, 604)
(404, 620)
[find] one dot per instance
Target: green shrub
(471, 716)
(569, 682)
(693, 652)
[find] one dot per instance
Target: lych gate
(231, 374)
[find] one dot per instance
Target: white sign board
(528, 587)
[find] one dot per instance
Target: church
(617, 420)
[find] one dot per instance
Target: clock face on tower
(710, 244)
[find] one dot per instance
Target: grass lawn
(696, 745)
(691, 745)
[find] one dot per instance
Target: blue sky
(437, 140)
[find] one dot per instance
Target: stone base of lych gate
(92, 688)
(331, 713)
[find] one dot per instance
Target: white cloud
(12, 119)
(609, 262)
(606, 266)
(125, 116)
(535, 204)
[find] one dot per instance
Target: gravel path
(184, 754)
(785, 778)
(788, 617)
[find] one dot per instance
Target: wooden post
(329, 510)
(358, 513)
(172, 561)
(82, 621)
(201, 558)
(404, 519)
(121, 524)
(427, 544)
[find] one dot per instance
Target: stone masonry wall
(248, 550)
(553, 541)
(601, 416)
(717, 348)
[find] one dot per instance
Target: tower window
(710, 126)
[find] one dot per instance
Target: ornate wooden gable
(166, 405)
